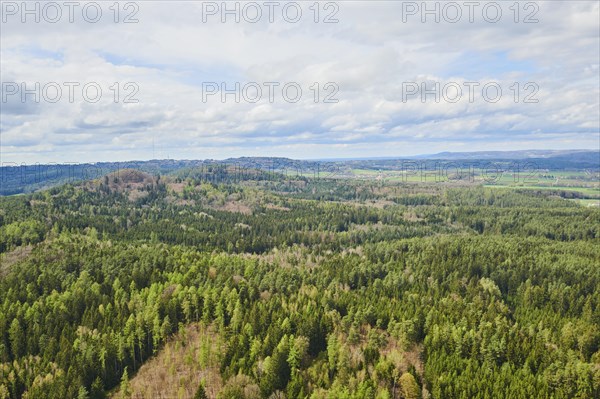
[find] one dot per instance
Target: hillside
(189, 358)
(320, 288)
(18, 179)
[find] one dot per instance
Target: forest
(298, 288)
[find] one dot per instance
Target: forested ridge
(314, 287)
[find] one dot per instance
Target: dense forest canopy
(319, 288)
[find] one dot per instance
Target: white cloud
(368, 54)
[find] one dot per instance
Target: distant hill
(29, 178)
(516, 155)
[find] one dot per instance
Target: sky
(185, 80)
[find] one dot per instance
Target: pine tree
(125, 387)
(201, 392)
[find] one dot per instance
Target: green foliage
(409, 389)
(201, 392)
(125, 387)
(462, 293)
(239, 387)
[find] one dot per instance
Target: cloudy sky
(361, 68)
